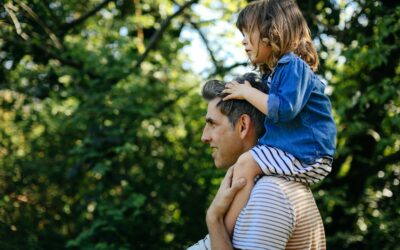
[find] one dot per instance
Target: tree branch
(219, 68)
(10, 10)
(50, 53)
(37, 19)
(207, 44)
(67, 26)
(156, 36)
(223, 70)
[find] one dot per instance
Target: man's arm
(215, 214)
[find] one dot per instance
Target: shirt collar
(285, 58)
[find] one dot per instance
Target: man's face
(223, 138)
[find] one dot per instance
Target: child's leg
(274, 161)
(248, 168)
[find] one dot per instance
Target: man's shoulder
(270, 189)
(267, 220)
(274, 210)
(280, 182)
(279, 187)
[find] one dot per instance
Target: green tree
(98, 117)
(100, 121)
(362, 213)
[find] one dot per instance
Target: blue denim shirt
(299, 119)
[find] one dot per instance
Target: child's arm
(246, 92)
(245, 167)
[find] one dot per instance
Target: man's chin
(220, 165)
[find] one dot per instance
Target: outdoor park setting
(101, 120)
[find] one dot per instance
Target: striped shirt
(280, 214)
(274, 161)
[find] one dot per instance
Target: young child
(299, 141)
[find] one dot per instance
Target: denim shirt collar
(285, 58)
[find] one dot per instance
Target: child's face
(258, 51)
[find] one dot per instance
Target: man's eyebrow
(210, 120)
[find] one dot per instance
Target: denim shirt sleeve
(290, 90)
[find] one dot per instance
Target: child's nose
(244, 41)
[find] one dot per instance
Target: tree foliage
(100, 121)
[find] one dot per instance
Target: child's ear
(266, 41)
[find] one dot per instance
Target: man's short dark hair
(233, 108)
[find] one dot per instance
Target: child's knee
(245, 159)
(246, 167)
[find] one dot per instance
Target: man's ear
(244, 125)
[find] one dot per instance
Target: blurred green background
(101, 117)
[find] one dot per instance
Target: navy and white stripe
(280, 214)
(274, 161)
(270, 215)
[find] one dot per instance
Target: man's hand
(236, 90)
(215, 215)
(225, 195)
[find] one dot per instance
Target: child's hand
(236, 90)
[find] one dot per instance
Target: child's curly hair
(282, 26)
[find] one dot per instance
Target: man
(280, 214)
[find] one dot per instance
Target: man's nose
(205, 138)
